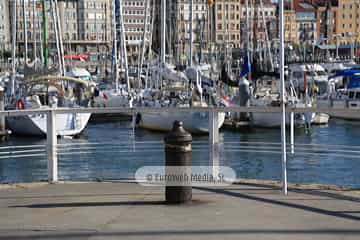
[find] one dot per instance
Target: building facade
(223, 14)
(263, 22)
(137, 19)
(85, 26)
(290, 26)
(200, 29)
(306, 21)
(348, 21)
(227, 22)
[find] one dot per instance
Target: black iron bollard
(178, 153)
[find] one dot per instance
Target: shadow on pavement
(91, 204)
(312, 192)
(184, 233)
(283, 203)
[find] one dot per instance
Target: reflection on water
(118, 157)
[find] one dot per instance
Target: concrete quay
(120, 210)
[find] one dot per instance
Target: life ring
(20, 104)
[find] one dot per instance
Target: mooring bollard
(178, 161)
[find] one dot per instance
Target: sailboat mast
(191, 33)
(25, 30)
(123, 45)
(52, 9)
(266, 36)
(13, 62)
(60, 38)
(163, 32)
(34, 30)
(150, 44)
(247, 46)
(45, 42)
(115, 54)
(143, 48)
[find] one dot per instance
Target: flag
(224, 102)
(105, 96)
(246, 68)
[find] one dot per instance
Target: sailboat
(344, 97)
(174, 93)
(42, 90)
(120, 96)
(267, 94)
(48, 92)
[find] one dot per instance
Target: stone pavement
(130, 211)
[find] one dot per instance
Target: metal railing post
(283, 99)
(2, 118)
(292, 133)
(51, 137)
(214, 141)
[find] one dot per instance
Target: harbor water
(112, 151)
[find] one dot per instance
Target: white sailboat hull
(111, 99)
(268, 120)
(273, 120)
(68, 124)
(346, 116)
(342, 105)
(194, 122)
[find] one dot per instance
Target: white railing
(52, 146)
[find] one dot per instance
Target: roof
(304, 7)
(323, 3)
(289, 4)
